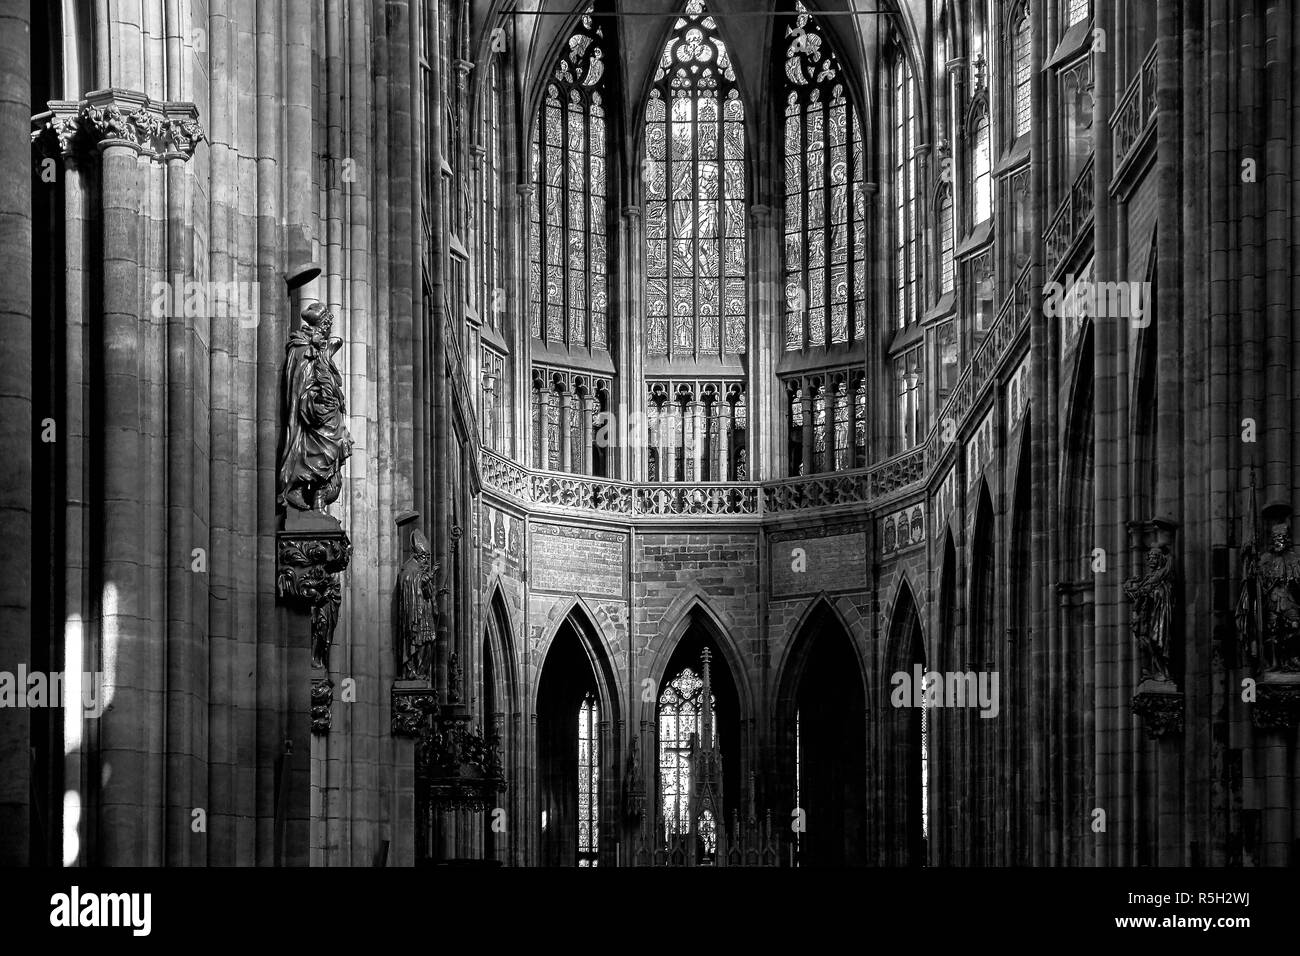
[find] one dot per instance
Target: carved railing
(607, 496)
(815, 491)
(1074, 213)
(575, 491)
(1012, 317)
(1135, 110)
(505, 476)
(685, 500)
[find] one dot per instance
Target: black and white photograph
(793, 441)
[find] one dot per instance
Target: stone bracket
(413, 707)
(307, 564)
(322, 698)
(1277, 703)
(1161, 710)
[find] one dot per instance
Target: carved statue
(416, 612)
(1152, 596)
(317, 442)
(1268, 606)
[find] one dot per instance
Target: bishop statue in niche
(316, 442)
(416, 612)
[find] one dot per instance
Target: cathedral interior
(756, 433)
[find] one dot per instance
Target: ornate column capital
(632, 213)
(526, 190)
(956, 65)
(115, 117)
(760, 214)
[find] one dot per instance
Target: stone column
(15, 416)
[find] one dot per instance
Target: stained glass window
(1020, 51)
(945, 242)
(568, 256)
(840, 423)
(818, 426)
(1076, 12)
(588, 781)
(902, 147)
(794, 394)
(696, 430)
(860, 421)
(981, 181)
(825, 232)
(907, 392)
(694, 177)
(681, 707)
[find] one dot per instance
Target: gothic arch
(596, 641)
(847, 617)
(501, 636)
(821, 731)
(691, 608)
(902, 730)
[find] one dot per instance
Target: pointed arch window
(902, 148)
(681, 717)
(981, 167)
(491, 227)
(568, 252)
(825, 223)
(945, 241)
(588, 781)
(694, 173)
(1020, 64)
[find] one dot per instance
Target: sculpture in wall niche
(417, 613)
(1152, 597)
(1268, 606)
(316, 442)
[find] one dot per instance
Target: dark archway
(982, 648)
(571, 825)
(907, 732)
(823, 716)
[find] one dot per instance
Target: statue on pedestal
(316, 442)
(1268, 606)
(416, 612)
(1152, 597)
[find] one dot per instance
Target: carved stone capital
(307, 565)
(413, 705)
(322, 698)
(1160, 705)
(115, 117)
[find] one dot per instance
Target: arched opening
(573, 744)
(686, 784)
(908, 737)
(823, 712)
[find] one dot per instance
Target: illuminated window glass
(1020, 50)
(825, 233)
(981, 181)
(681, 706)
(902, 146)
(567, 246)
(588, 781)
(1076, 11)
(695, 197)
(945, 242)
